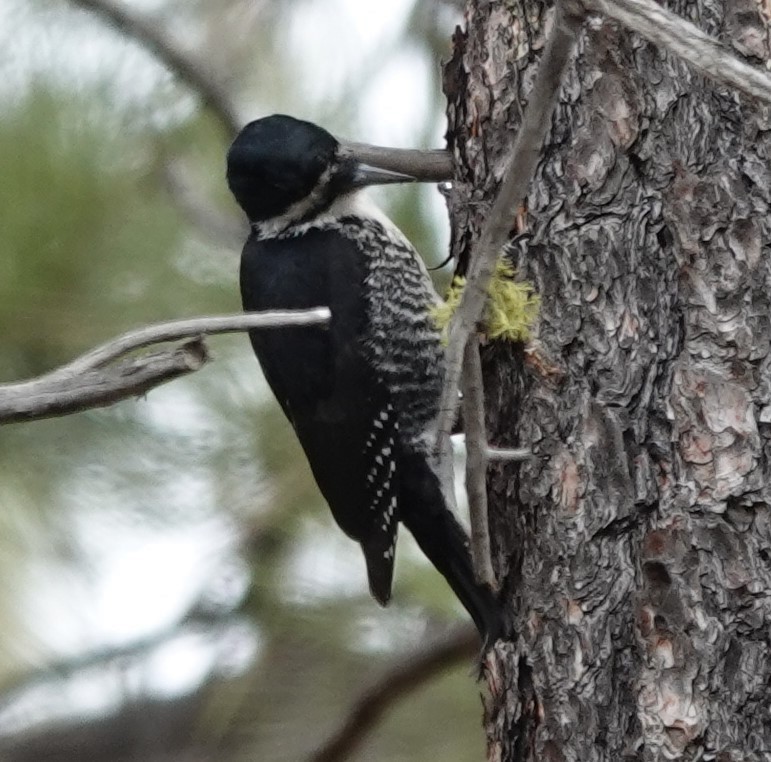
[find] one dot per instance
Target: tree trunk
(634, 548)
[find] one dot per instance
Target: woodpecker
(361, 394)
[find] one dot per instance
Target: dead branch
(182, 329)
(476, 463)
(404, 677)
(667, 30)
(519, 171)
(44, 398)
(95, 379)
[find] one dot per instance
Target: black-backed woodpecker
(362, 394)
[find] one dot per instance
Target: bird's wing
(328, 388)
(352, 441)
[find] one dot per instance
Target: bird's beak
(378, 164)
(367, 174)
(374, 165)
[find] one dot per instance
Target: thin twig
(509, 453)
(671, 32)
(404, 677)
(86, 383)
(517, 176)
(476, 463)
(428, 166)
(181, 329)
(150, 35)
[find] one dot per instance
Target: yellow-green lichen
(511, 308)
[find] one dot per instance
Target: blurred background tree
(174, 585)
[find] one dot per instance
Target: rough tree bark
(634, 549)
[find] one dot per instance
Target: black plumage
(323, 382)
(362, 394)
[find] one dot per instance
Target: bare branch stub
(512, 454)
(185, 328)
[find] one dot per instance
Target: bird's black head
(276, 162)
(283, 167)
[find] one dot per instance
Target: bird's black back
(326, 387)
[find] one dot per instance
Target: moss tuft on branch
(511, 310)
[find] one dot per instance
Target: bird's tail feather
(380, 573)
(445, 544)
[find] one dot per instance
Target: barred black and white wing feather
(404, 346)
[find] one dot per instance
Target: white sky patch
(137, 582)
(343, 42)
(403, 629)
(74, 50)
(174, 667)
(179, 410)
(403, 80)
(237, 648)
(337, 36)
(150, 583)
(56, 596)
(373, 22)
(325, 564)
(179, 665)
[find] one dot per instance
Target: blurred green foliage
(90, 238)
